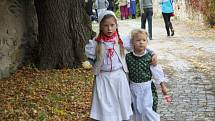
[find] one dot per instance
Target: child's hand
(164, 89)
(86, 65)
(167, 99)
(154, 59)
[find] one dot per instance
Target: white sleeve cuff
(90, 49)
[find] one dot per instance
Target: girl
(167, 12)
(140, 75)
(111, 99)
(123, 6)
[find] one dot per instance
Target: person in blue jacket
(167, 12)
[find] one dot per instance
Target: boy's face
(108, 26)
(139, 42)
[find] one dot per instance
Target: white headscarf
(103, 13)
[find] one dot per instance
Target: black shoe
(133, 17)
(121, 17)
(172, 32)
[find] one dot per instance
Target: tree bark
(64, 28)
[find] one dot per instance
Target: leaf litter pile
(51, 95)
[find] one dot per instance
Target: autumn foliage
(46, 95)
(206, 7)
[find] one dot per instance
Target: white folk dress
(142, 98)
(111, 99)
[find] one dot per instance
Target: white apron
(142, 101)
(111, 97)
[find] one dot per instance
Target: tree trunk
(64, 28)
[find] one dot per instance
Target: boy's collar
(141, 54)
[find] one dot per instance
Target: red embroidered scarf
(104, 38)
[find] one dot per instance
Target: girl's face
(139, 42)
(108, 26)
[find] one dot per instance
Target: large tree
(64, 28)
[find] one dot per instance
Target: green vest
(139, 67)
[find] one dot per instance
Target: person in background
(89, 9)
(111, 5)
(123, 6)
(140, 76)
(167, 12)
(146, 9)
(101, 5)
(132, 9)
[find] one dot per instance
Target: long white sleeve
(158, 74)
(127, 43)
(90, 49)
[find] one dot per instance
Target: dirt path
(188, 60)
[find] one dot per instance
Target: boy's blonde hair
(134, 33)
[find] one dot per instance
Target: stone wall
(17, 33)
